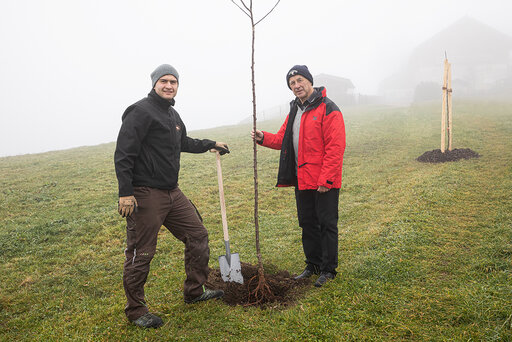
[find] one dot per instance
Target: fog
(70, 68)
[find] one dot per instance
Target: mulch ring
(436, 156)
(284, 290)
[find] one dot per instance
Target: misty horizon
(70, 69)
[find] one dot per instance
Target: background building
(481, 63)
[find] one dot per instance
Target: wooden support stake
(443, 112)
(449, 109)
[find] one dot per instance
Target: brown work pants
(172, 209)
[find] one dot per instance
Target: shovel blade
(231, 272)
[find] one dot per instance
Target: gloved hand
(221, 147)
(127, 205)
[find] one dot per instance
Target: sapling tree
(262, 290)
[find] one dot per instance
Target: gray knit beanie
(162, 70)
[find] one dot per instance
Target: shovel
(230, 269)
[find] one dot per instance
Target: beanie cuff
(162, 70)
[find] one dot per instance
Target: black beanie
(299, 70)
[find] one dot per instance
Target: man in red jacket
(312, 143)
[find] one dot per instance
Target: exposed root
(262, 293)
(284, 290)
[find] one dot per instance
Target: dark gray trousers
(172, 209)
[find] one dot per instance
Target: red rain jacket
(321, 145)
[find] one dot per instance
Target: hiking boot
(207, 294)
(308, 272)
(148, 320)
(324, 277)
(304, 275)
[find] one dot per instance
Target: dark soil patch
(436, 156)
(284, 290)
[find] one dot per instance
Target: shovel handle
(221, 195)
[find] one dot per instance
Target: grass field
(425, 249)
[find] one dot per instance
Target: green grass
(424, 249)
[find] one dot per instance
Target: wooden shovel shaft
(222, 203)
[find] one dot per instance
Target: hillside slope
(425, 249)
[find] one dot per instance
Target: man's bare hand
(321, 189)
(127, 205)
(258, 136)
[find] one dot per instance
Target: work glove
(127, 205)
(221, 147)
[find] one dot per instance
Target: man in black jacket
(147, 162)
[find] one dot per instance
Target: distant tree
(262, 290)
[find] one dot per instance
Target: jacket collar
(163, 103)
(313, 100)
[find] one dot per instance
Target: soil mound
(284, 290)
(436, 156)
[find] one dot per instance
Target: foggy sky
(69, 68)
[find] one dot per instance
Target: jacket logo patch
(314, 117)
(178, 128)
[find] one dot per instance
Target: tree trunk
(255, 154)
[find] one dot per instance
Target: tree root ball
(436, 156)
(281, 289)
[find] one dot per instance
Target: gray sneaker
(148, 320)
(207, 294)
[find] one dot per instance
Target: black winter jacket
(149, 144)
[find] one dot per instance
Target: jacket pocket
(315, 159)
(309, 171)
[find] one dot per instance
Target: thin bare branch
(267, 13)
(241, 9)
(249, 9)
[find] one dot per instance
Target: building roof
(466, 42)
(330, 80)
(470, 46)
